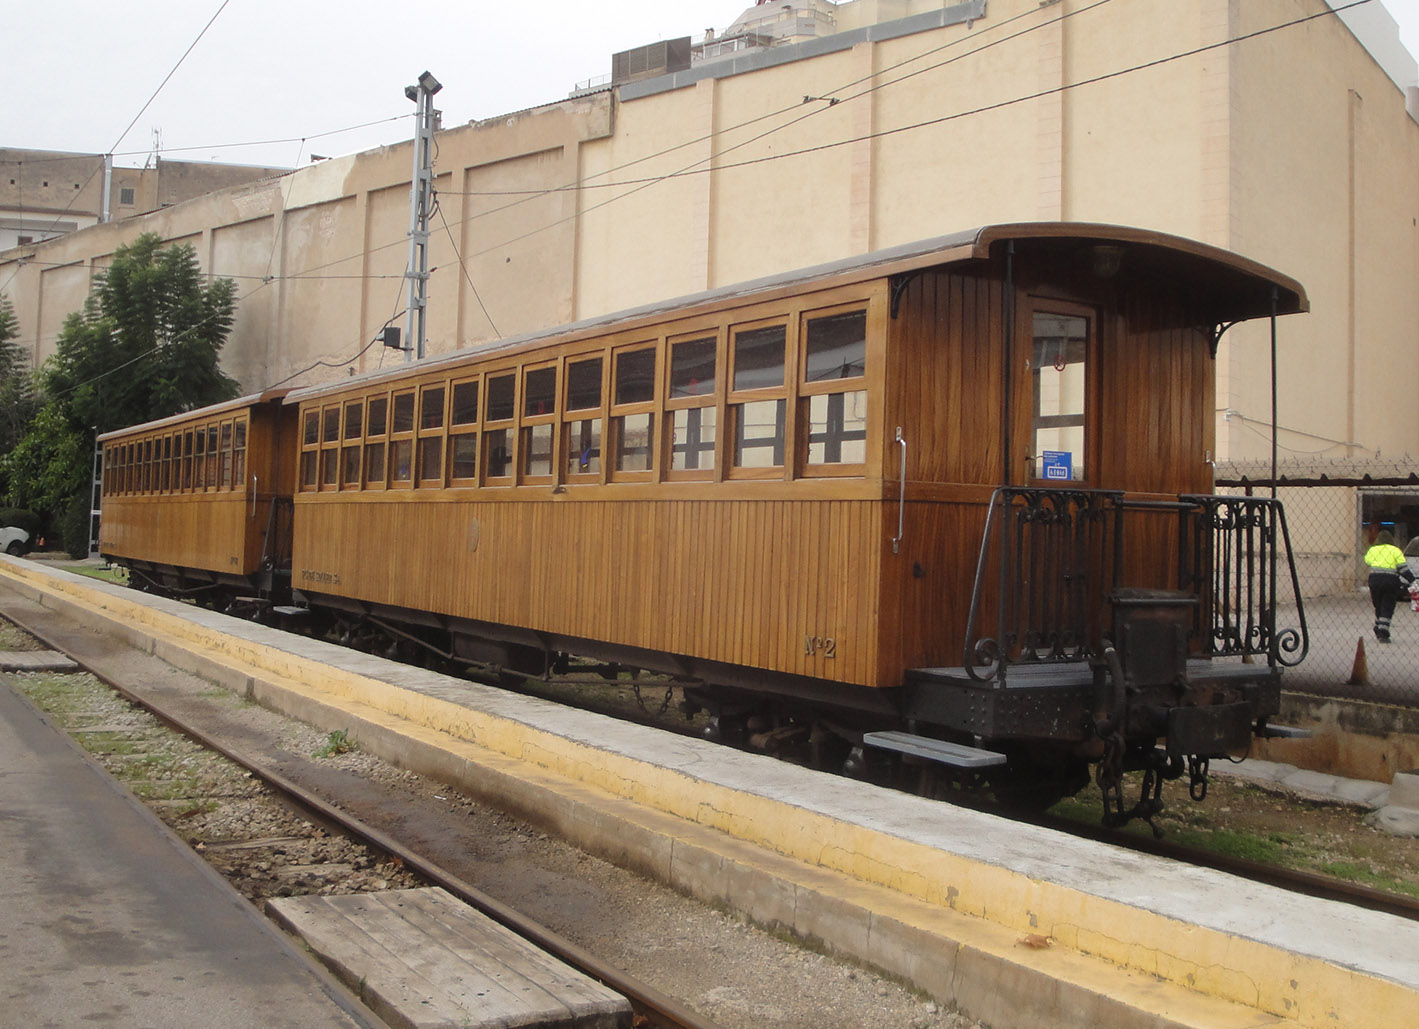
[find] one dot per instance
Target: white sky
(76, 72)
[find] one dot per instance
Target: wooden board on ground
(36, 661)
(421, 958)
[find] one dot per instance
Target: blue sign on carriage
(1059, 464)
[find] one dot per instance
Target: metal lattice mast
(421, 193)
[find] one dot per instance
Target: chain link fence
(1331, 526)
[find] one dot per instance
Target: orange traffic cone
(1359, 671)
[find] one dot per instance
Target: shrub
(74, 527)
(22, 519)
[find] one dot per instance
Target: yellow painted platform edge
(1308, 990)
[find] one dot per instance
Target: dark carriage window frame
(629, 402)
(748, 387)
(239, 444)
(499, 427)
(463, 430)
(584, 425)
(374, 464)
(1086, 420)
(690, 403)
(352, 434)
(402, 434)
(432, 429)
(837, 390)
(309, 471)
(538, 429)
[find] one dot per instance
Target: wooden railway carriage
(781, 489)
(199, 504)
(959, 488)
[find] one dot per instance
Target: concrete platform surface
(952, 900)
(422, 958)
(110, 919)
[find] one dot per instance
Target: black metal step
(954, 754)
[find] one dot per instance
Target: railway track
(652, 1008)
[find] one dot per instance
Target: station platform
(110, 919)
(1013, 924)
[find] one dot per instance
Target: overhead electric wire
(148, 103)
(578, 184)
(693, 170)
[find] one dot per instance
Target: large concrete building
(821, 130)
(45, 194)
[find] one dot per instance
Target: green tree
(146, 345)
(148, 342)
(17, 391)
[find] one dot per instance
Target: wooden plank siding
(740, 581)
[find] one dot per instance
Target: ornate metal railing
(1230, 554)
(1051, 558)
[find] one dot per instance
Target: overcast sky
(77, 73)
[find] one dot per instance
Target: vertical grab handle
(902, 496)
(253, 496)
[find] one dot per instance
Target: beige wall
(1293, 148)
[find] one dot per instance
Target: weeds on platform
(338, 742)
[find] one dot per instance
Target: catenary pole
(421, 193)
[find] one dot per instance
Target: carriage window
(837, 428)
(431, 435)
(350, 455)
(501, 398)
(759, 434)
(379, 410)
(374, 464)
(211, 457)
(167, 464)
(376, 421)
(238, 452)
(584, 385)
(401, 450)
(758, 358)
(404, 412)
(584, 446)
(692, 428)
(431, 408)
(583, 435)
(332, 425)
(465, 403)
(834, 361)
(635, 376)
(225, 450)
(634, 442)
(463, 456)
(431, 459)
(539, 403)
(633, 425)
(497, 442)
(692, 368)
(312, 428)
(1058, 376)
(539, 390)
(187, 460)
(692, 438)
(836, 347)
(463, 446)
(758, 429)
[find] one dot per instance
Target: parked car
(14, 541)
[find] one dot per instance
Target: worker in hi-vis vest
(1389, 576)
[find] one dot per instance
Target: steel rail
(656, 1008)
